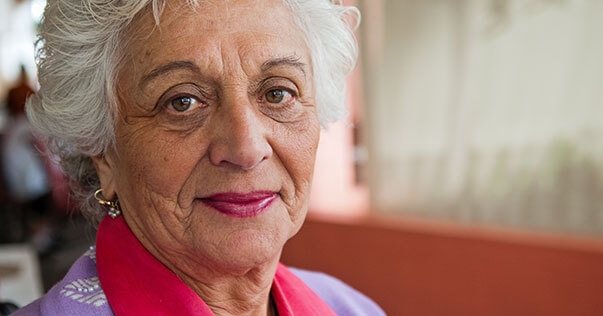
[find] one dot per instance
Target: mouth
(240, 204)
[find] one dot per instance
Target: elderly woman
(190, 130)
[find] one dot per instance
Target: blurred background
(467, 180)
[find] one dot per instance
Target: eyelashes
(187, 106)
(181, 99)
(183, 103)
(188, 97)
(276, 91)
(278, 96)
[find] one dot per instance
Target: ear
(105, 170)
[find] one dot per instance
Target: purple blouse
(80, 293)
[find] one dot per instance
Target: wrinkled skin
(208, 124)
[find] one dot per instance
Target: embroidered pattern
(85, 291)
(91, 253)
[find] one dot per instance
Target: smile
(241, 204)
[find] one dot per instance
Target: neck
(237, 293)
(226, 290)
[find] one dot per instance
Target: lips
(241, 204)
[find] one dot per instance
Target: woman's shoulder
(342, 298)
(79, 293)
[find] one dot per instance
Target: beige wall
(487, 111)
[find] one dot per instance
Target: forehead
(215, 33)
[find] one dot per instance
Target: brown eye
(182, 104)
(275, 96)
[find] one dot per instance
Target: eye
(183, 103)
(277, 96)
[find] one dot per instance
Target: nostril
(243, 155)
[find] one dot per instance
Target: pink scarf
(136, 283)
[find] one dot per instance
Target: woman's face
(217, 135)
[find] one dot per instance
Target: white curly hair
(79, 52)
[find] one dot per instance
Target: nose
(239, 136)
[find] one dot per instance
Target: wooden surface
(414, 267)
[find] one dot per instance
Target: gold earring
(113, 206)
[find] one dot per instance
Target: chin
(249, 249)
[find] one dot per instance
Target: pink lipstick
(241, 204)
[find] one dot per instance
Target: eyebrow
(293, 61)
(172, 66)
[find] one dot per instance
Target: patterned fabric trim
(85, 291)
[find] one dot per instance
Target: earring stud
(113, 208)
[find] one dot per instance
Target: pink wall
(415, 267)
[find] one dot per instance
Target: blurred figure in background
(25, 175)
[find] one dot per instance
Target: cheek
(296, 147)
(303, 146)
(155, 161)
